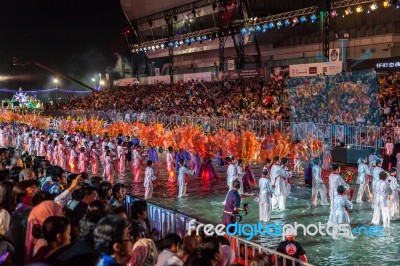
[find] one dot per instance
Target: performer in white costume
(149, 177)
(278, 180)
(335, 180)
(380, 204)
(266, 191)
(339, 216)
(394, 199)
(376, 171)
(362, 179)
(171, 165)
(182, 179)
(121, 155)
(318, 185)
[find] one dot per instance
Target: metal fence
(357, 137)
(170, 221)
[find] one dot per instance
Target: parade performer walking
(339, 216)
(266, 191)
(335, 180)
(149, 177)
(382, 192)
(182, 178)
(318, 185)
(362, 180)
(278, 180)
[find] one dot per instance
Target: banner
(247, 73)
(315, 69)
(380, 64)
(346, 98)
(125, 82)
(158, 79)
(204, 76)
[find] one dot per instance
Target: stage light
(359, 9)
(258, 28)
(295, 21)
(204, 37)
(170, 44)
(264, 27)
(180, 42)
(287, 22)
(243, 31)
(176, 44)
(192, 39)
(386, 3)
(333, 13)
(250, 30)
(187, 41)
(271, 25)
(162, 46)
(144, 49)
(303, 19)
(373, 6)
(140, 49)
(198, 38)
(398, 4)
(313, 18)
(279, 24)
(153, 48)
(348, 11)
(157, 46)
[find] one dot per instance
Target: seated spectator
(209, 252)
(27, 174)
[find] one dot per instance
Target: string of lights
(348, 7)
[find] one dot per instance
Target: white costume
(394, 200)
(73, 162)
(375, 175)
(42, 148)
(94, 159)
(183, 171)
(318, 187)
(362, 180)
(121, 153)
(335, 180)
(339, 212)
(278, 180)
(380, 204)
(265, 206)
(231, 175)
(171, 167)
(62, 156)
(31, 146)
(240, 175)
(136, 165)
(148, 183)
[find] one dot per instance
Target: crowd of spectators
(84, 222)
(245, 99)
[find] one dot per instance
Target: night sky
(79, 38)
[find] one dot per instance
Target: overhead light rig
(348, 7)
(253, 25)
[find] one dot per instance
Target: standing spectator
(170, 244)
(292, 248)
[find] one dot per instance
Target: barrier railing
(171, 221)
(358, 137)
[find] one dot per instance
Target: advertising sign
(307, 70)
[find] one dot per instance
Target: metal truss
(347, 3)
(221, 50)
(230, 30)
(290, 14)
